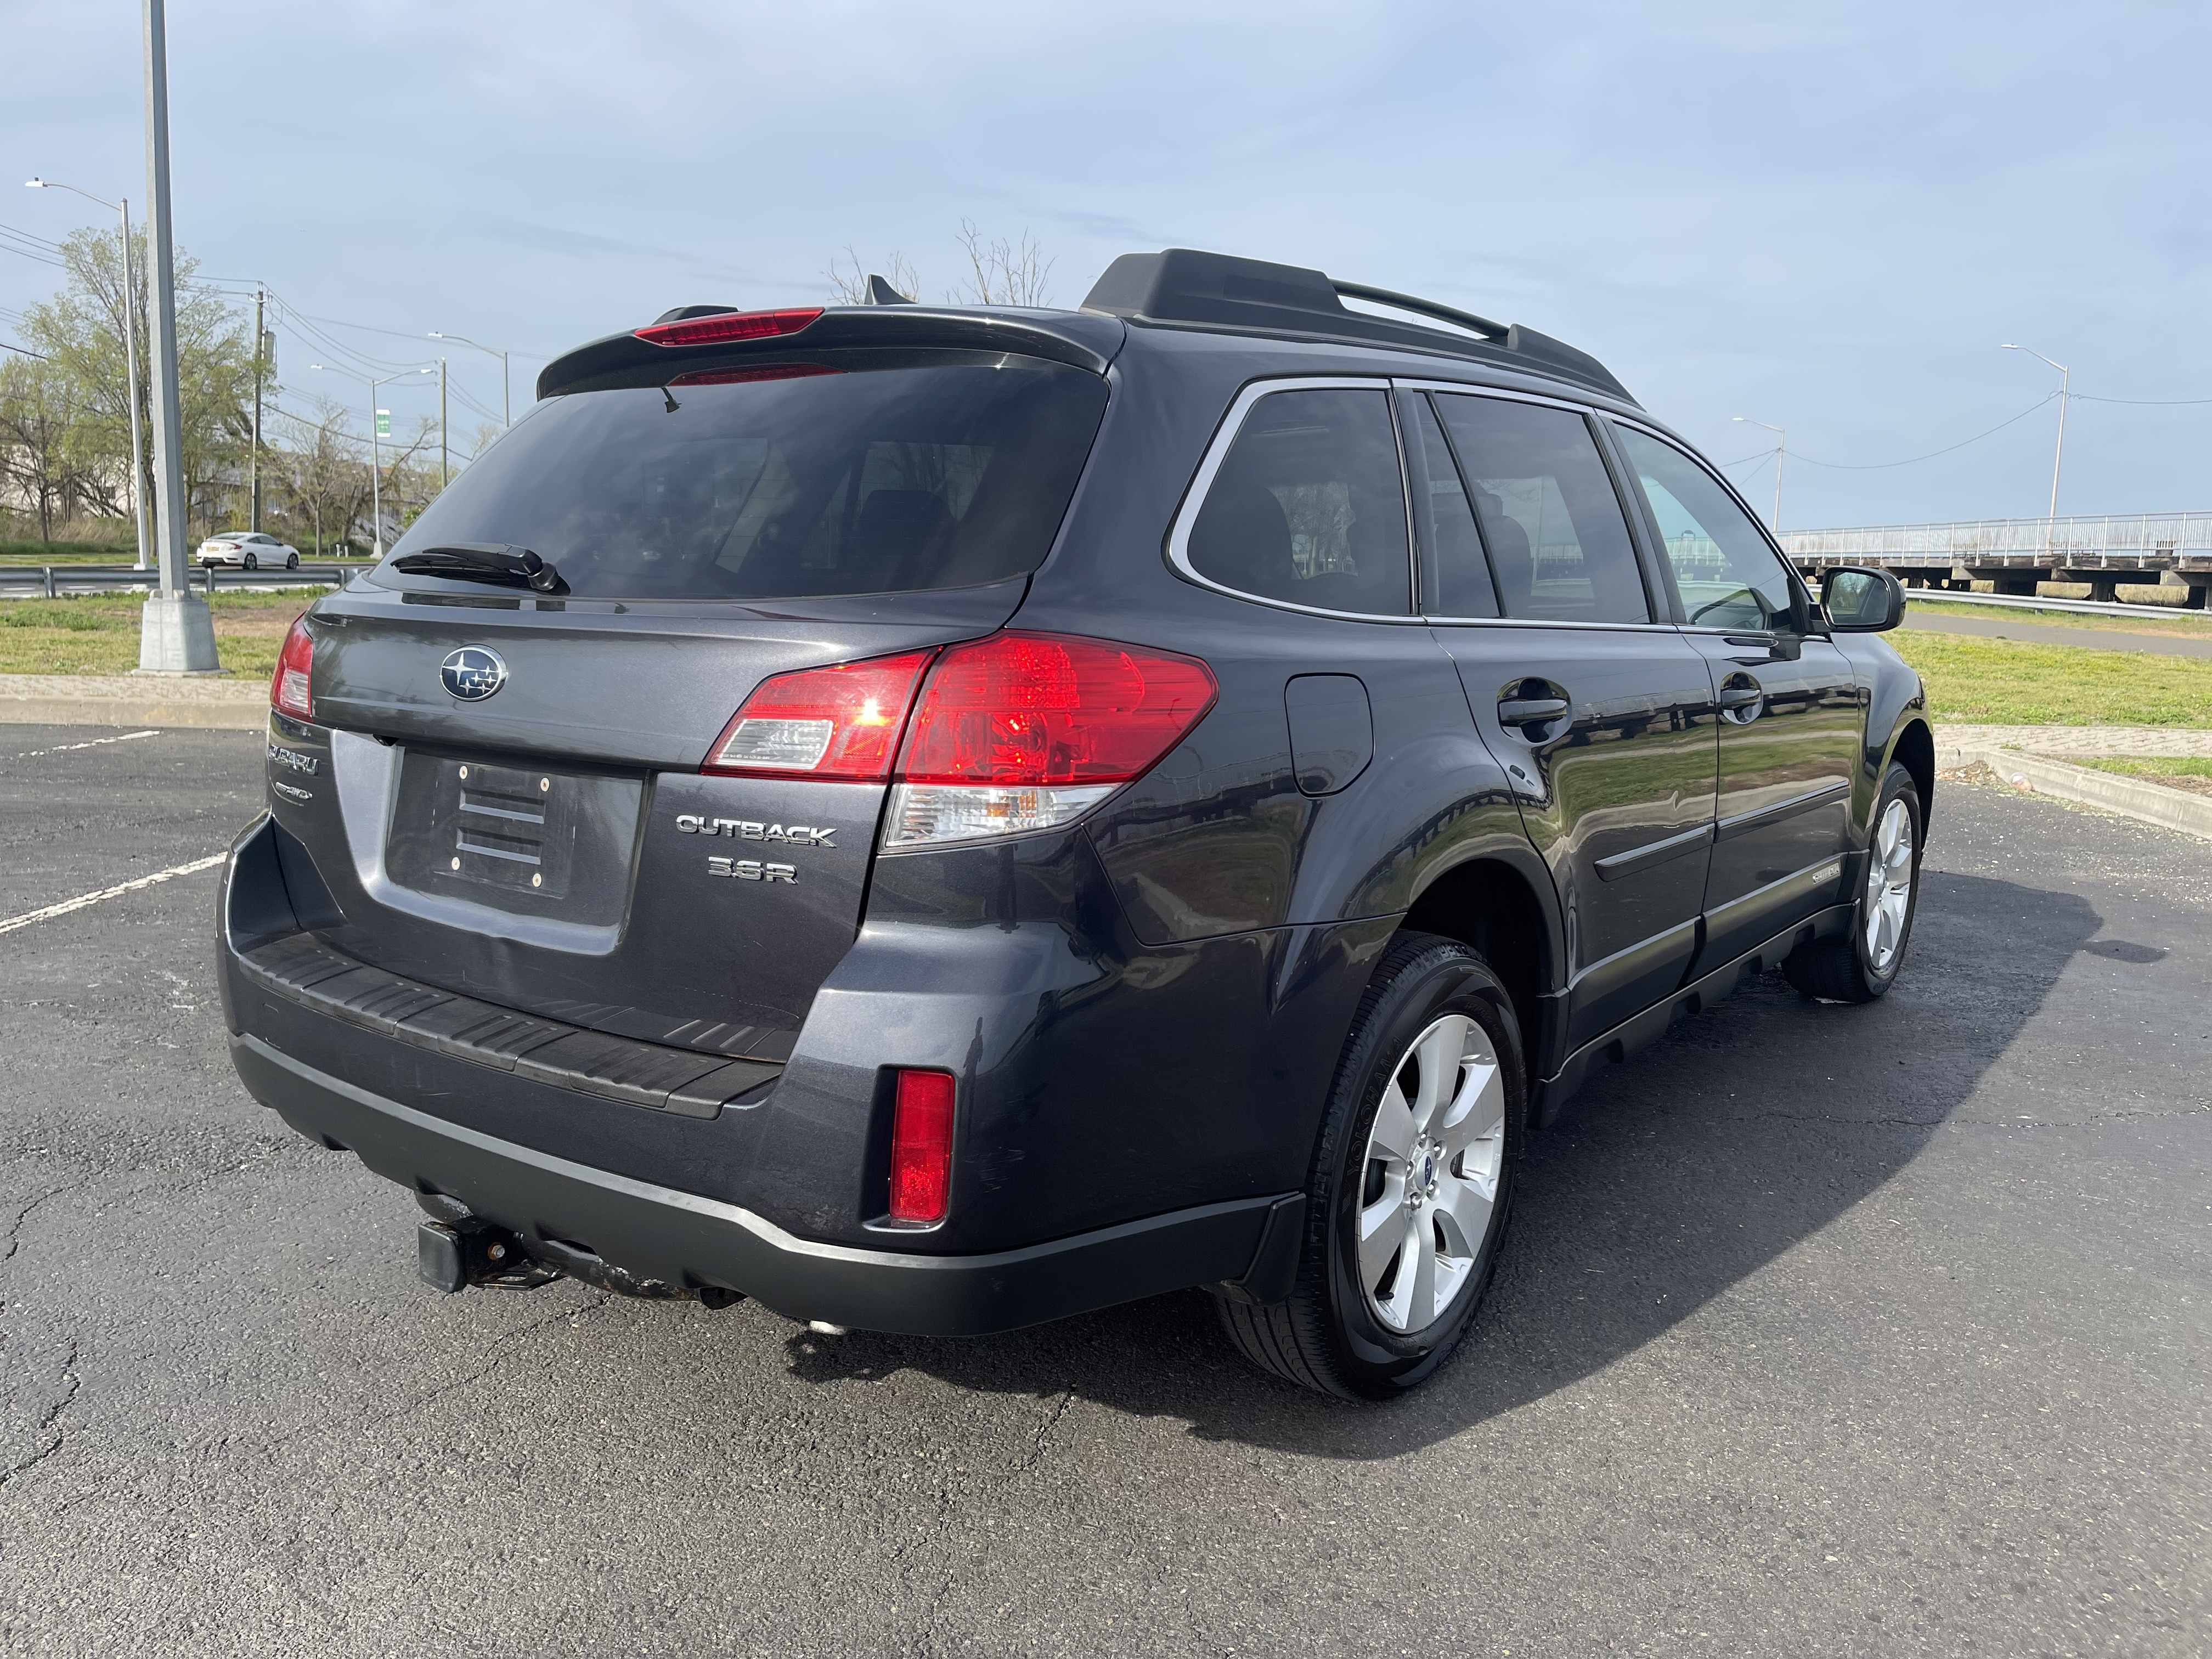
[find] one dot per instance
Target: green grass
(98, 633)
(2014, 682)
(2184, 624)
(2190, 772)
(68, 552)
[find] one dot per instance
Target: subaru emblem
(473, 672)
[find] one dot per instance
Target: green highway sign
(384, 423)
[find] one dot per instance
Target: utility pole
(445, 453)
(260, 344)
(177, 634)
(139, 508)
(1781, 455)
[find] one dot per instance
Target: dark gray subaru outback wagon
(941, 819)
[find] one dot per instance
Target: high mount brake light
(728, 326)
(768, 372)
(921, 1147)
(842, 722)
(1023, 731)
(288, 689)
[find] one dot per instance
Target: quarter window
(1310, 506)
(1559, 544)
(1727, 575)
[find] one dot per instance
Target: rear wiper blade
(484, 562)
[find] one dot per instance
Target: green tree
(40, 419)
(81, 329)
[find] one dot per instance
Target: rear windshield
(890, 480)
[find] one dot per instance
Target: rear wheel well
(1915, 752)
(1491, 907)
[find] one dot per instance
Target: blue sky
(1825, 218)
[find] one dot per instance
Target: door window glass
(1310, 506)
(1454, 575)
(1558, 542)
(1727, 575)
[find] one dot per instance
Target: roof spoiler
(1184, 285)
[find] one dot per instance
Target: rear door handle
(1530, 711)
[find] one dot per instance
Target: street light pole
(130, 359)
(506, 391)
(1781, 457)
(2058, 455)
(376, 443)
(176, 636)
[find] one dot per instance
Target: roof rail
(1219, 290)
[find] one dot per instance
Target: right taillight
(921, 1147)
(288, 689)
(1023, 731)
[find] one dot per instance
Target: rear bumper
(680, 1237)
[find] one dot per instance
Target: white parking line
(83, 899)
(64, 749)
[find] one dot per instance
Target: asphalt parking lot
(1820, 1331)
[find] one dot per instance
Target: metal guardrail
(2147, 541)
(53, 580)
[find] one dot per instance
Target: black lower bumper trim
(657, 1232)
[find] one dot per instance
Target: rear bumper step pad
(302, 969)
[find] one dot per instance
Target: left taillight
(842, 722)
(290, 692)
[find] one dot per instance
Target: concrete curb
(205, 713)
(2150, 802)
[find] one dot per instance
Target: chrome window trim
(1469, 389)
(1217, 451)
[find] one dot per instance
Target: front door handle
(1530, 711)
(1741, 699)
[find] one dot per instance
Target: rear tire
(250, 562)
(1410, 1186)
(1863, 964)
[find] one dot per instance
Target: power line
(1878, 466)
(2084, 397)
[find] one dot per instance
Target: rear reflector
(922, 1146)
(840, 722)
(728, 326)
(288, 691)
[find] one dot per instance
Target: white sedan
(248, 550)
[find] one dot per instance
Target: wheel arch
(1914, 748)
(1493, 906)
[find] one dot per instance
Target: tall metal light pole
(505, 394)
(2058, 455)
(1781, 456)
(177, 634)
(375, 444)
(130, 358)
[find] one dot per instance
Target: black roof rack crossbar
(1383, 296)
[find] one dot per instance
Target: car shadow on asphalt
(1742, 1133)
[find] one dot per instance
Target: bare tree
(1003, 273)
(848, 281)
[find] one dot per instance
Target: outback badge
(473, 672)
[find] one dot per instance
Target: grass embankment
(98, 633)
(2013, 683)
(2192, 773)
(2175, 624)
(67, 553)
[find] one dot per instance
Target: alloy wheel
(1888, 894)
(1429, 1181)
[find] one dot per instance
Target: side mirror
(1860, 600)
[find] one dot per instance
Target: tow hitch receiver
(453, 1258)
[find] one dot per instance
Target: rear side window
(1310, 506)
(805, 484)
(1558, 542)
(1726, 574)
